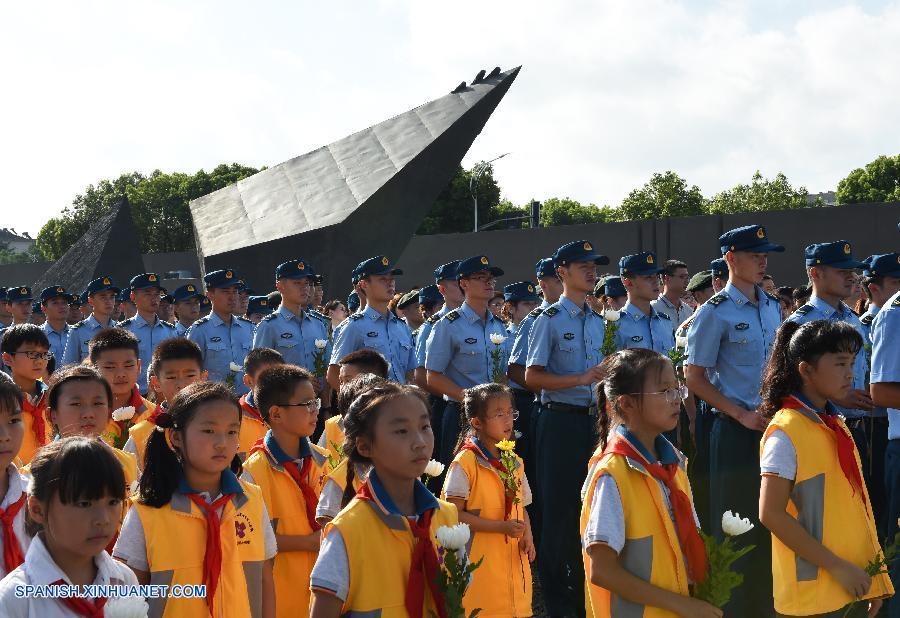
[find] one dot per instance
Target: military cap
(719, 268)
(294, 269)
(205, 302)
(145, 281)
(700, 281)
(124, 295)
(55, 291)
(430, 294)
(613, 286)
(520, 291)
(2, 294)
(36, 308)
(882, 265)
(411, 297)
(837, 254)
(15, 294)
(446, 271)
(353, 302)
(259, 304)
(750, 238)
(544, 267)
(638, 264)
(578, 251)
(186, 292)
(225, 278)
(378, 265)
(476, 264)
(100, 284)
(167, 298)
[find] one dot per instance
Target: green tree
(760, 194)
(8, 256)
(664, 195)
(566, 211)
(453, 210)
(879, 181)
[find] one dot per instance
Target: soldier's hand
(856, 399)
(751, 419)
(594, 374)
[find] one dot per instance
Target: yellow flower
(506, 445)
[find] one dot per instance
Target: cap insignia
(760, 233)
(151, 277)
(847, 248)
(229, 274)
(484, 260)
(588, 247)
(301, 266)
(649, 259)
(106, 281)
(384, 261)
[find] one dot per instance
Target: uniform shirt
(386, 334)
(567, 339)
(17, 486)
(337, 329)
(677, 315)
(79, 335)
(149, 336)
(818, 309)
(732, 338)
(866, 320)
(425, 332)
(637, 330)
(57, 340)
(180, 329)
(294, 336)
(886, 354)
(223, 344)
(460, 347)
(519, 354)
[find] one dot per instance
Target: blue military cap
(186, 292)
(410, 298)
(578, 251)
(225, 278)
(79, 300)
(751, 238)
(145, 281)
(243, 288)
(205, 302)
(613, 286)
(446, 271)
(54, 291)
(124, 295)
(167, 298)
(520, 291)
(475, 264)
(638, 264)
(100, 284)
(319, 279)
(22, 292)
(544, 267)
(719, 268)
(430, 294)
(837, 254)
(294, 269)
(882, 265)
(2, 294)
(259, 304)
(378, 265)
(36, 308)
(353, 302)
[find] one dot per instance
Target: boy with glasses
(26, 351)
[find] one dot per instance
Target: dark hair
(795, 343)
(112, 339)
(333, 304)
(366, 360)
(626, 374)
(74, 468)
(474, 405)
(17, 335)
(74, 373)
(11, 397)
(350, 390)
(276, 384)
(359, 421)
(429, 306)
(786, 292)
(801, 295)
(769, 277)
(274, 299)
(671, 266)
(162, 469)
(259, 358)
(176, 348)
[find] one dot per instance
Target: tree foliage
(664, 195)
(566, 211)
(454, 209)
(10, 256)
(879, 181)
(761, 194)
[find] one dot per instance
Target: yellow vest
(334, 439)
(384, 542)
(252, 431)
(287, 509)
(175, 536)
(823, 501)
(129, 467)
(652, 551)
(502, 586)
(139, 434)
(113, 430)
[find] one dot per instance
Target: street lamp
(477, 171)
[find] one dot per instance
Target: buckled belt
(568, 408)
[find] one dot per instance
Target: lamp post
(477, 171)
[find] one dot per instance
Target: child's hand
(514, 528)
(853, 578)
(695, 608)
(526, 546)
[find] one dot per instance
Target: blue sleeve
(704, 338)
(439, 348)
(70, 353)
(885, 350)
(261, 335)
(343, 344)
(421, 341)
(519, 354)
(197, 337)
(539, 342)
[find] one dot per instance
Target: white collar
(43, 571)
(16, 486)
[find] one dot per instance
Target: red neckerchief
(497, 465)
(160, 408)
(251, 411)
(212, 559)
(846, 448)
(12, 552)
(136, 402)
(300, 476)
(80, 605)
(36, 410)
(688, 537)
(423, 568)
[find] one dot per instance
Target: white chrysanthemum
(235, 367)
(681, 342)
(123, 414)
(434, 468)
(611, 315)
(321, 344)
(497, 338)
(734, 524)
(453, 537)
(126, 607)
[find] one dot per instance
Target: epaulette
(78, 324)
(867, 319)
(551, 311)
(896, 303)
(536, 312)
(202, 320)
(718, 299)
(169, 324)
(319, 316)
(355, 316)
(664, 316)
(772, 296)
(451, 316)
(434, 318)
(124, 322)
(271, 316)
(805, 309)
(243, 319)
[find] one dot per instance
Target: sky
(609, 92)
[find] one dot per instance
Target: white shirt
(332, 496)
(779, 457)
(17, 485)
(39, 569)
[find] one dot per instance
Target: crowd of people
(296, 456)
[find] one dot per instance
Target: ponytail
(781, 376)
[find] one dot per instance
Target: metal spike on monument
(360, 196)
(110, 247)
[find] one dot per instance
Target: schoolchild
(253, 425)
(25, 353)
(15, 540)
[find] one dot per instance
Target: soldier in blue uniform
(430, 302)
(452, 298)
(459, 353)
(124, 305)
(37, 313)
(881, 280)
(564, 353)
(146, 325)
(639, 324)
(19, 299)
(258, 308)
(224, 339)
(729, 341)
(408, 311)
(187, 307)
(55, 302)
(523, 299)
(5, 315)
(292, 330)
(719, 269)
(376, 327)
(101, 295)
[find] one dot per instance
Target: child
(114, 353)
(26, 352)
(379, 552)
(195, 522)
(75, 501)
(638, 526)
(12, 486)
(332, 496)
(288, 470)
(176, 363)
(253, 427)
(494, 511)
(351, 365)
(813, 498)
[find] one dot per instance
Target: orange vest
(113, 429)
(334, 440)
(30, 442)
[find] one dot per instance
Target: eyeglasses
(672, 394)
(36, 355)
(312, 404)
(513, 413)
(482, 278)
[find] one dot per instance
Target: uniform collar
(43, 571)
(872, 310)
(215, 320)
(545, 304)
(471, 316)
(375, 316)
(738, 297)
(47, 327)
(93, 321)
(230, 485)
(248, 397)
(278, 454)
(140, 321)
(571, 308)
(636, 313)
(424, 499)
(662, 298)
(286, 313)
(826, 309)
(664, 448)
(829, 407)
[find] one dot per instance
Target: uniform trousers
(524, 402)
(892, 493)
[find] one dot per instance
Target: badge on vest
(569, 336)
(215, 339)
(637, 338)
(241, 524)
(741, 326)
(471, 340)
(287, 335)
(372, 334)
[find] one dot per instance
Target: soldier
(187, 307)
(729, 341)
(126, 306)
(408, 310)
(37, 314)
(258, 308)
(224, 339)
(701, 287)
(719, 270)
(101, 297)
(564, 353)
(74, 316)
(19, 299)
(5, 315)
(452, 297)
(149, 329)
(675, 279)
(55, 301)
(639, 324)
(430, 302)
